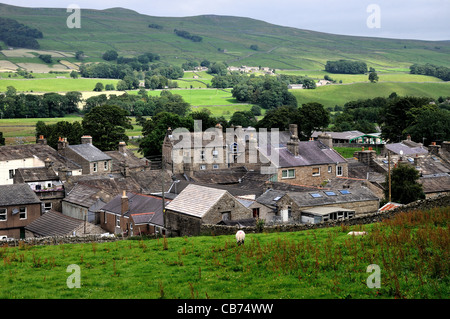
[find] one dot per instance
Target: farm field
(411, 250)
(339, 94)
(53, 85)
(388, 76)
(23, 130)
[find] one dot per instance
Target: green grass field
(53, 85)
(331, 95)
(411, 251)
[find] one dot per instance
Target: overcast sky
(404, 19)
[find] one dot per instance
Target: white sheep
(357, 233)
(240, 236)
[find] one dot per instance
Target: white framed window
(11, 174)
(330, 169)
(203, 167)
(105, 165)
(215, 166)
(47, 206)
(95, 167)
(202, 155)
(105, 218)
(316, 171)
(22, 213)
(3, 214)
(215, 154)
(338, 170)
(118, 221)
(288, 173)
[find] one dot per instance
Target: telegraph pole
(162, 185)
(389, 174)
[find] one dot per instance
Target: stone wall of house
(438, 201)
(230, 204)
(304, 174)
(181, 224)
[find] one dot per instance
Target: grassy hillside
(412, 251)
(331, 95)
(279, 47)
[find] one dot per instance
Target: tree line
(13, 105)
(187, 35)
(16, 34)
(441, 72)
(346, 67)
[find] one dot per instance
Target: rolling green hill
(279, 47)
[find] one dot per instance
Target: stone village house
(133, 214)
(197, 205)
(19, 206)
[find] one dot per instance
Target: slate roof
(354, 195)
(127, 157)
(37, 174)
(270, 197)
(13, 152)
(407, 150)
(196, 200)
(310, 153)
(17, 194)
(347, 135)
(89, 152)
(54, 223)
(142, 208)
(86, 195)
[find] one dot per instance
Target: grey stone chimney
(86, 139)
(124, 203)
(122, 147)
(326, 139)
(292, 145)
(433, 148)
(42, 140)
(62, 145)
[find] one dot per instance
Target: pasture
(410, 249)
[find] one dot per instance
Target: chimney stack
(42, 140)
(86, 139)
(326, 139)
(62, 144)
(48, 163)
(433, 148)
(292, 145)
(122, 147)
(124, 203)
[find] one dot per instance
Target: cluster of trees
(266, 91)
(106, 124)
(155, 26)
(16, 34)
(397, 117)
(47, 58)
(13, 105)
(440, 72)
(141, 104)
(187, 35)
(157, 76)
(346, 67)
